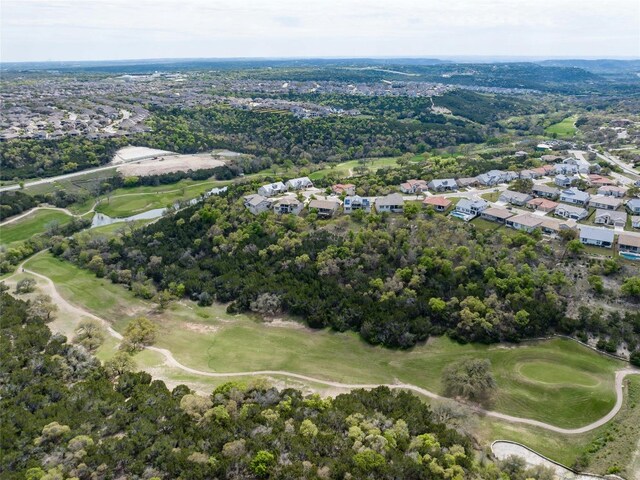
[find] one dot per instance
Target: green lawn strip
(210, 339)
(34, 223)
(565, 128)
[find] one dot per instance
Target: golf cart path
(31, 210)
(171, 361)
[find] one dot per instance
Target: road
(171, 361)
(607, 157)
(66, 176)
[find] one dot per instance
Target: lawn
(565, 128)
(345, 169)
(34, 223)
(208, 338)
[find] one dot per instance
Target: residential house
(344, 188)
(325, 208)
(257, 204)
(599, 180)
(544, 170)
(287, 204)
(471, 207)
(565, 169)
(491, 178)
(629, 243)
(635, 221)
(467, 182)
(601, 237)
(553, 226)
(607, 217)
(550, 158)
(633, 206)
(443, 185)
(546, 191)
(563, 181)
(495, 214)
(514, 198)
(530, 174)
(393, 203)
(612, 191)
(510, 176)
(542, 204)
(355, 202)
(525, 222)
(575, 196)
(440, 204)
(272, 189)
(581, 165)
(413, 186)
(569, 211)
(299, 183)
(543, 147)
(606, 203)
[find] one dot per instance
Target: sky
(57, 30)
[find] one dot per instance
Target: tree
(369, 461)
(89, 334)
(43, 307)
(631, 287)
(262, 463)
(139, 332)
(596, 283)
(471, 379)
(634, 358)
(120, 363)
(26, 285)
(163, 298)
(411, 209)
(575, 247)
(308, 428)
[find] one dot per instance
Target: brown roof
(527, 220)
(322, 204)
(437, 201)
(542, 203)
(629, 240)
(497, 212)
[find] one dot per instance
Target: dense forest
(395, 280)
(64, 416)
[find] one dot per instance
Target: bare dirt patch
(174, 163)
(199, 328)
(128, 154)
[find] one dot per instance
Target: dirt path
(171, 361)
(29, 212)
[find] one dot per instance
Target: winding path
(171, 361)
(30, 211)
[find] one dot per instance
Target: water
(630, 255)
(100, 219)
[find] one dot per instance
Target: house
(530, 174)
(635, 221)
(612, 191)
(355, 202)
(546, 191)
(492, 177)
(607, 217)
(510, 176)
(525, 222)
(287, 204)
(495, 214)
(413, 186)
(272, 189)
(393, 203)
(569, 211)
(629, 243)
(599, 180)
(553, 226)
(346, 188)
(257, 204)
(543, 147)
(544, 170)
(633, 206)
(581, 165)
(575, 196)
(606, 203)
(440, 204)
(514, 198)
(326, 208)
(542, 204)
(601, 237)
(444, 185)
(565, 169)
(550, 158)
(467, 182)
(299, 183)
(471, 207)
(563, 181)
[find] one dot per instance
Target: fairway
(33, 224)
(345, 169)
(208, 338)
(565, 128)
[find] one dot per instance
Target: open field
(170, 164)
(565, 128)
(34, 223)
(345, 169)
(209, 339)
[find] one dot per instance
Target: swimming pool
(630, 255)
(462, 216)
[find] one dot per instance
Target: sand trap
(174, 163)
(128, 154)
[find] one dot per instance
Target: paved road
(171, 361)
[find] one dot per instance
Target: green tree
(119, 364)
(631, 287)
(138, 333)
(89, 334)
(262, 463)
(369, 461)
(471, 379)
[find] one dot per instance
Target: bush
(634, 358)
(26, 285)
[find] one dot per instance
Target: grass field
(210, 339)
(34, 223)
(565, 128)
(344, 169)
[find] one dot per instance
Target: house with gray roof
(467, 182)
(443, 185)
(605, 202)
(526, 222)
(471, 207)
(325, 208)
(546, 191)
(612, 191)
(572, 212)
(575, 196)
(565, 169)
(492, 177)
(514, 198)
(612, 218)
(635, 221)
(633, 206)
(272, 189)
(257, 204)
(600, 237)
(496, 214)
(562, 180)
(393, 203)
(356, 202)
(299, 183)
(287, 204)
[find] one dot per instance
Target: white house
(604, 202)
(575, 196)
(355, 202)
(272, 189)
(569, 211)
(635, 221)
(526, 222)
(546, 191)
(612, 191)
(287, 204)
(601, 237)
(257, 204)
(514, 198)
(612, 218)
(413, 186)
(629, 243)
(443, 185)
(299, 183)
(325, 208)
(393, 203)
(633, 206)
(471, 207)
